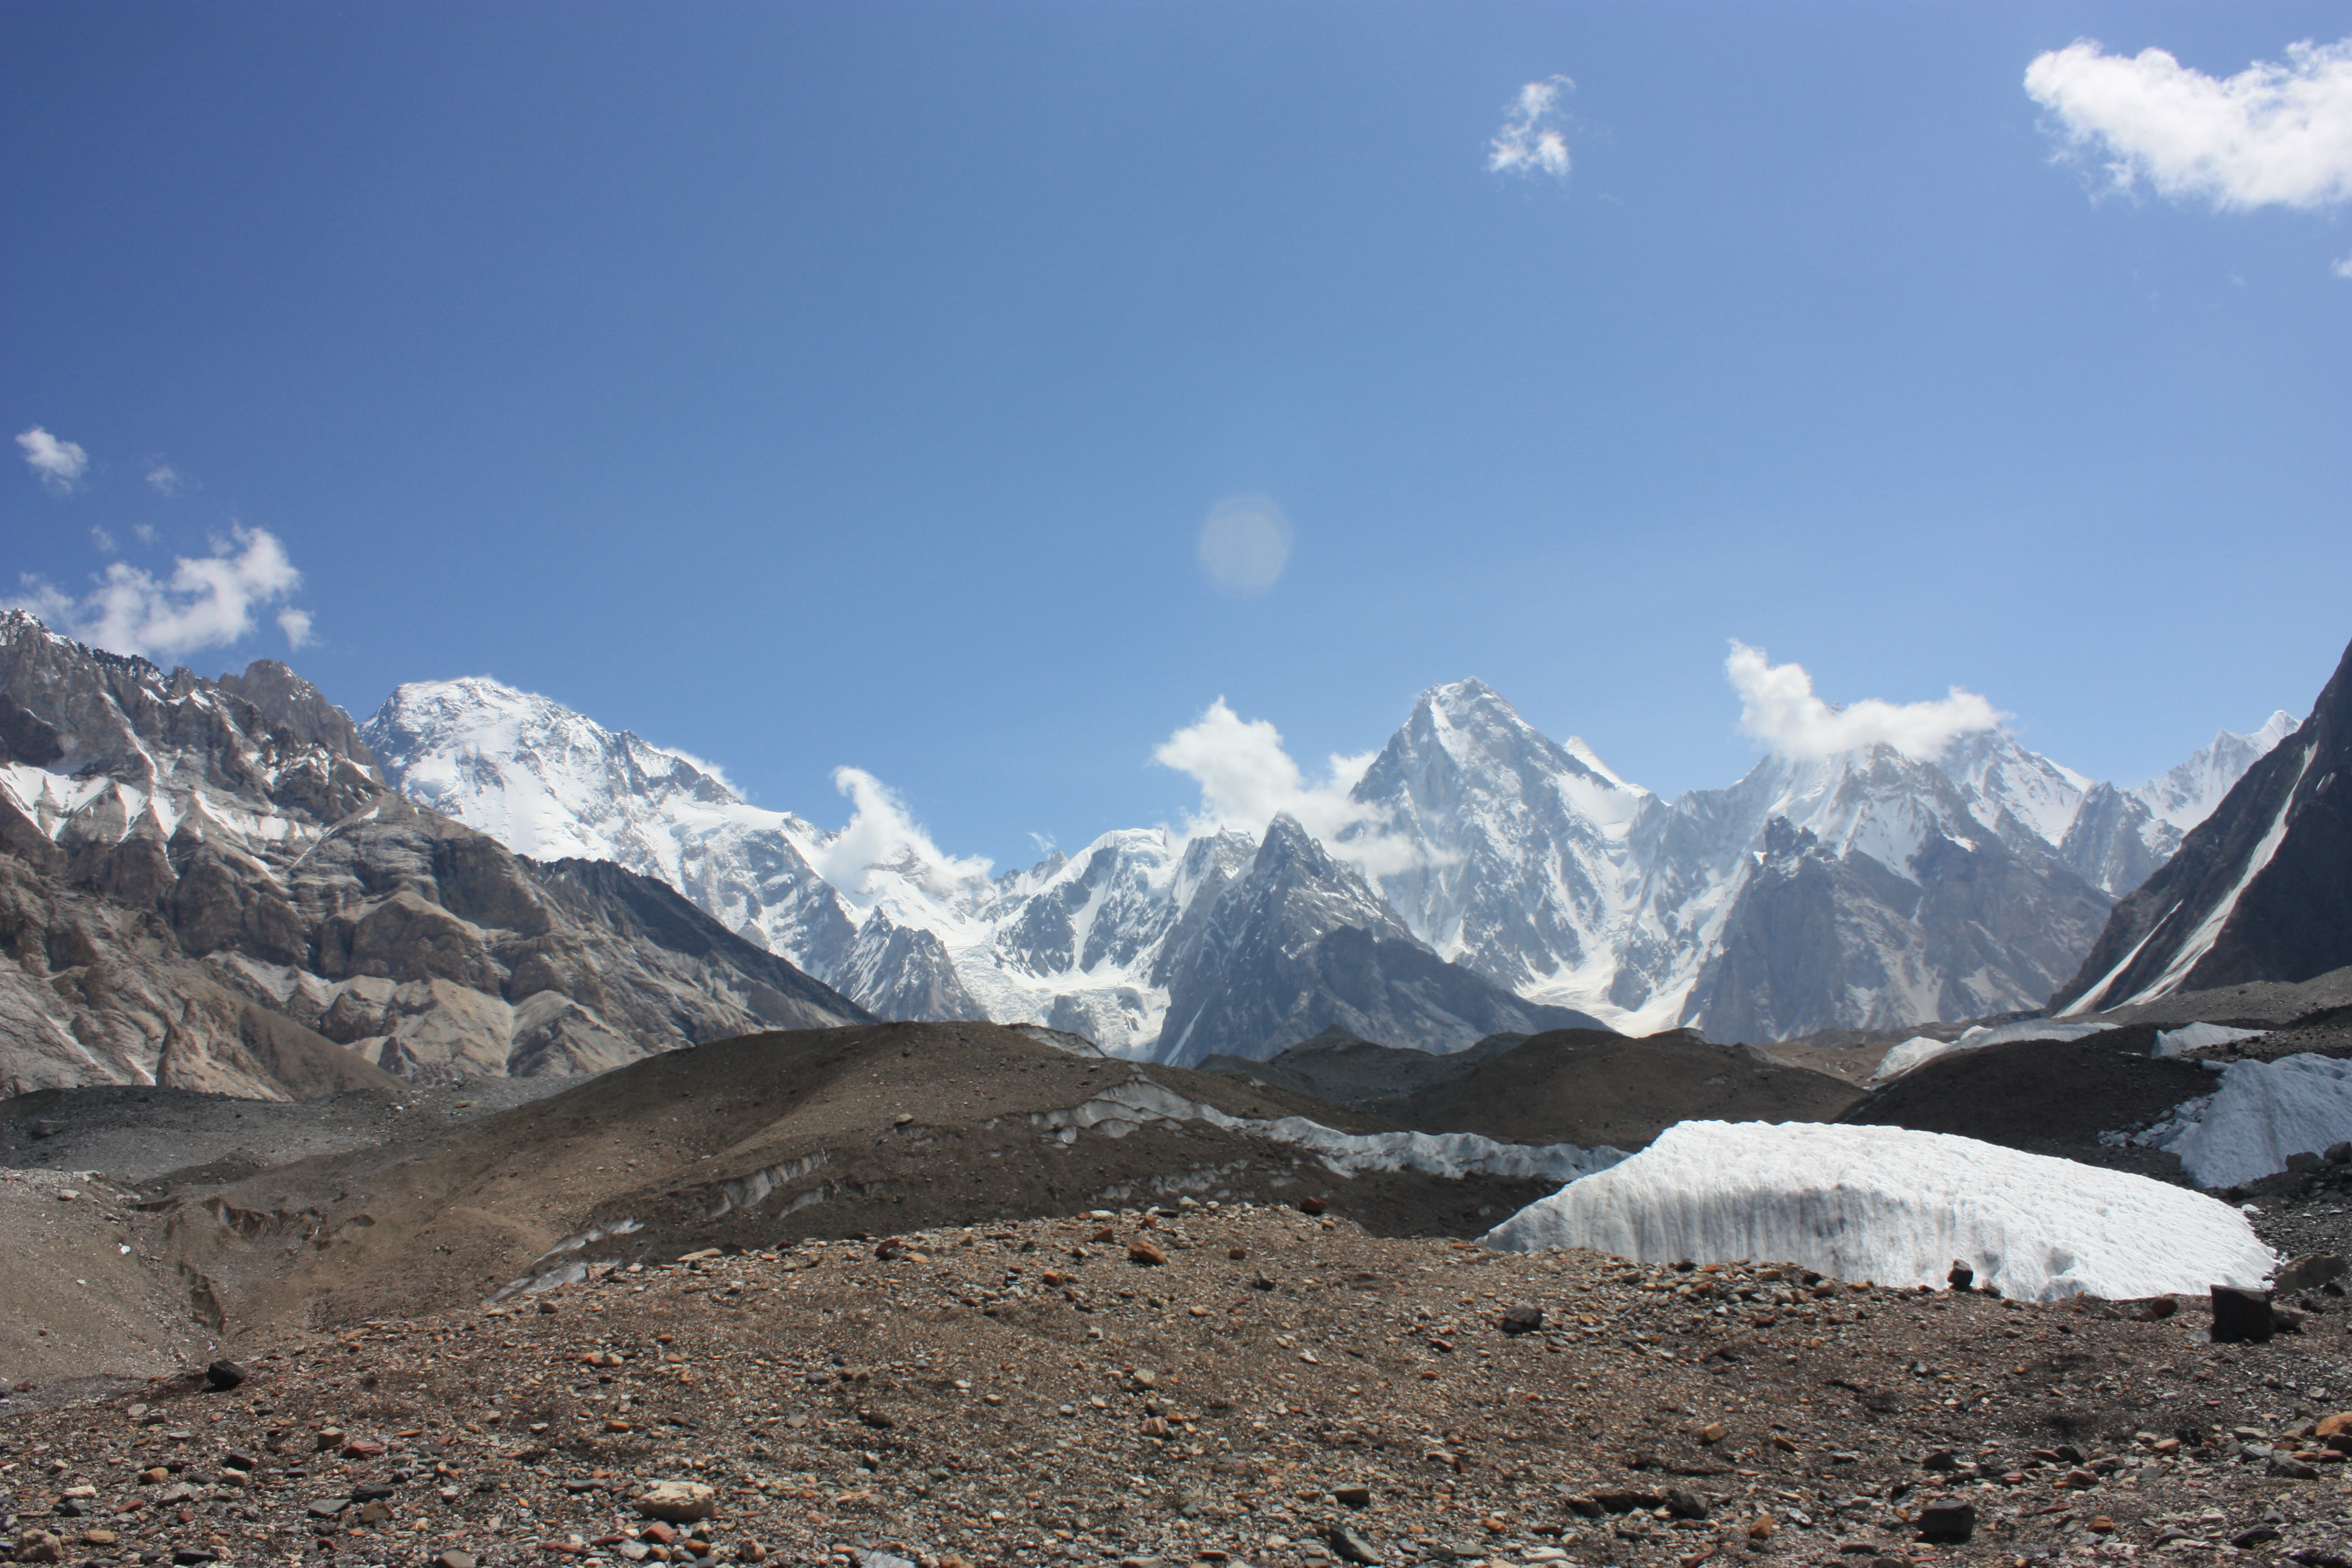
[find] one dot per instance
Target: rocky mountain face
(1298, 942)
(207, 883)
(2261, 889)
(1866, 889)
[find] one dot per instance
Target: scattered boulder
(2241, 1316)
(224, 1375)
(2308, 1273)
(1522, 1318)
(675, 1502)
(1948, 1520)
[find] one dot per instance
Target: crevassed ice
(1899, 1207)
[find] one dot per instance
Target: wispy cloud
(1777, 706)
(1530, 141)
(165, 479)
(60, 465)
(1247, 779)
(882, 839)
(208, 602)
(2273, 135)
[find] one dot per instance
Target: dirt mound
(767, 1138)
(2046, 1097)
(1584, 1087)
(85, 1306)
(1337, 1066)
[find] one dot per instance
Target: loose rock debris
(1276, 1389)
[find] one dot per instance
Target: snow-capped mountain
(1075, 941)
(1862, 889)
(2262, 887)
(1298, 941)
(1866, 888)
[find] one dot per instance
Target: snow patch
(2198, 1037)
(1895, 1206)
(1921, 1048)
(1121, 1109)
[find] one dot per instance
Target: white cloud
(1777, 706)
(142, 532)
(296, 624)
(60, 465)
(2272, 135)
(209, 600)
(103, 540)
(1530, 141)
(1245, 544)
(883, 837)
(166, 478)
(1247, 779)
(2344, 268)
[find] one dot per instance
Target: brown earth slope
(755, 1141)
(1589, 1088)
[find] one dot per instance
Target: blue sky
(808, 386)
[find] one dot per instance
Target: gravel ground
(1278, 1390)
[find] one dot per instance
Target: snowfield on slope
(1896, 1207)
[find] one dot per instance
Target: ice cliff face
(1868, 887)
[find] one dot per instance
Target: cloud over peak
(1247, 779)
(59, 465)
(2273, 135)
(1530, 141)
(1777, 706)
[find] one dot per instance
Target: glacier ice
(2263, 1112)
(1895, 1206)
(1123, 1107)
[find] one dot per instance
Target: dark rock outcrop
(2261, 889)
